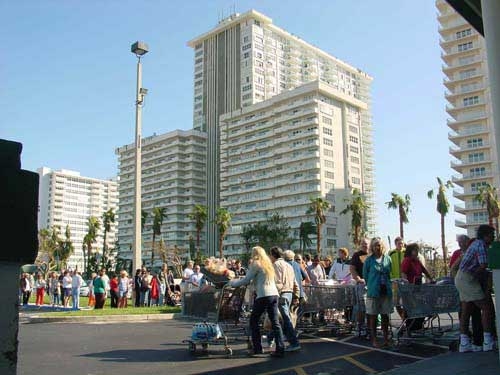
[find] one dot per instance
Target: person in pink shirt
(463, 242)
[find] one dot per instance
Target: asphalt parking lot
(156, 347)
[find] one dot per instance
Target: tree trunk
(153, 248)
(198, 240)
(356, 238)
(401, 228)
(104, 248)
(221, 240)
(318, 239)
(443, 246)
(490, 221)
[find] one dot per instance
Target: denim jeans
(284, 310)
(145, 298)
(161, 297)
(267, 304)
(75, 295)
(55, 299)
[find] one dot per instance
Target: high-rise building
(471, 122)
(68, 199)
(173, 177)
(245, 60)
(277, 154)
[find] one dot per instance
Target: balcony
(467, 148)
(459, 209)
(460, 224)
(460, 164)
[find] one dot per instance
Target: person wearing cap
(300, 275)
(288, 287)
(316, 271)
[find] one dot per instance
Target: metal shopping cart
(328, 308)
(427, 305)
(228, 324)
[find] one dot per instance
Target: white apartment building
(66, 198)
(173, 176)
(246, 59)
(471, 121)
(279, 153)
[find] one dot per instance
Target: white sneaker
(477, 348)
(488, 347)
(464, 348)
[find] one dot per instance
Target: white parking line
(365, 347)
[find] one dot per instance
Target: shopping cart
(328, 308)
(424, 305)
(228, 325)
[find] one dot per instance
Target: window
(247, 87)
(327, 131)
(355, 170)
(329, 174)
(353, 139)
(464, 46)
(326, 120)
(464, 74)
(327, 141)
(480, 217)
(329, 186)
(328, 152)
(471, 100)
(354, 149)
(474, 142)
(246, 55)
(331, 243)
(476, 172)
(328, 164)
(476, 185)
(463, 33)
(331, 231)
(476, 157)
(356, 180)
(354, 159)
(353, 129)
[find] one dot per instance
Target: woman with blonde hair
(261, 275)
(376, 272)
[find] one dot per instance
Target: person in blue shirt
(376, 272)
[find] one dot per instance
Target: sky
(68, 83)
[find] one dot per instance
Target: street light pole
(139, 49)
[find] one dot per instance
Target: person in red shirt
(411, 268)
(113, 288)
(463, 243)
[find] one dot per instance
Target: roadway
(155, 347)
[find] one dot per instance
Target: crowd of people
(278, 278)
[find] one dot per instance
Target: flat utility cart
(426, 307)
(327, 307)
(228, 325)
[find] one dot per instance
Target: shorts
(359, 303)
(468, 287)
(122, 293)
(379, 305)
(67, 292)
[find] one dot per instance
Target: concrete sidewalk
(486, 363)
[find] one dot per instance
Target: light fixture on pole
(139, 49)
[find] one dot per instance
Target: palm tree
(108, 218)
(357, 206)
(93, 226)
(305, 230)
(442, 207)
(317, 207)
(402, 204)
(199, 215)
(65, 247)
(159, 213)
(488, 197)
(223, 221)
(144, 217)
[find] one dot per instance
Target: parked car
(84, 289)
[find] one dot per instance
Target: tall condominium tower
(277, 154)
(245, 60)
(66, 198)
(173, 177)
(471, 122)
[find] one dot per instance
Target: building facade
(245, 60)
(471, 122)
(173, 177)
(277, 154)
(68, 199)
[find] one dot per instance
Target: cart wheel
(229, 352)
(192, 347)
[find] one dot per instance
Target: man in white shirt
(196, 277)
(316, 271)
(341, 271)
(67, 285)
(76, 284)
(186, 277)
